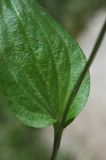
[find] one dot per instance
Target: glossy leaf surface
(39, 64)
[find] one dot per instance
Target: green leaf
(39, 65)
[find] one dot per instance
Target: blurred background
(85, 138)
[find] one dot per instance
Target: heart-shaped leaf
(39, 64)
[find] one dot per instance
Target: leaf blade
(40, 59)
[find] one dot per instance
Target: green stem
(82, 75)
(57, 140)
(58, 129)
